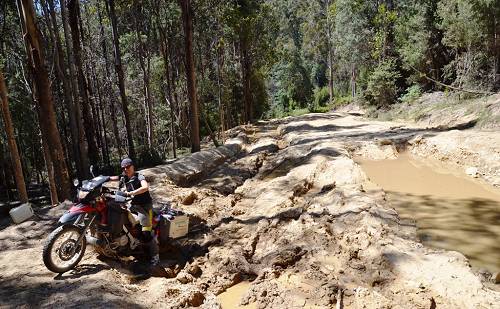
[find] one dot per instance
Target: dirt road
(290, 214)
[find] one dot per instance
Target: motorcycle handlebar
(118, 196)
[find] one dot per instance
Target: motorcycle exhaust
(94, 241)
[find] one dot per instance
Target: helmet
(126, 162)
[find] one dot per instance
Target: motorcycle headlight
(76, 182)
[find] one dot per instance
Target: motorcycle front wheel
(62, 251)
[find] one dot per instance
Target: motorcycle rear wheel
(61, 257)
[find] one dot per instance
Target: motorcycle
(100, 217)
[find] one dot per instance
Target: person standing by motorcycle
(137, 187)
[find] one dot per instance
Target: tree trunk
(144, 63)
(94, 91)
(50, 168)
(121, 79)
(202, 104)
(3, 180)
(108, 83)
(168, 96)
(88, 121)
(14, 153)
(4, 173)
(101, 123)
(246, 71)
(222, 109)
(62, 72)
(353, 80)
(172, 129)
(187, 20)
(178, 109)
(330, 75)
(75, 110)
(42, 92)
(496, 52)
(330, 51)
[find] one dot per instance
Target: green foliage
(352, 35)
(469, 30)
(148, 157)
(463, 26)
(321, 96)
(299, 112)
(383, 21)
(259, 93)
(382, 90)
(412, 37)
(290, 84)
(412, 93)
(344, 100)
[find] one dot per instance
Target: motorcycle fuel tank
(72, 214)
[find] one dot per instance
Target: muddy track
(291, 215)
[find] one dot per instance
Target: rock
(302, 188)
(194, 270)
(416, 140)
(196, 299)
(184, 277)
(161, 272)
(189, 198)
(287, 258)
(472, 171)
(169, 273)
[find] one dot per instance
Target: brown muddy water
(230, 299)
(452, 211)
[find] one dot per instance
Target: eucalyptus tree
(44, 99)
(14, 152)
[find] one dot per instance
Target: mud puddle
(451, 211)
(230, 299)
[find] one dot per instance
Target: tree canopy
(132, 77)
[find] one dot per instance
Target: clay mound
(189, 169)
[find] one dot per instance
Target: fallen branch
(450, 86)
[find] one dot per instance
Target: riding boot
(154, 252)
(151, 248)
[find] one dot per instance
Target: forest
(87, 82)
